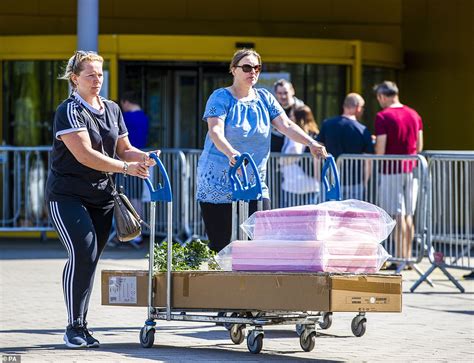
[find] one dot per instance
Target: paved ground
(436, 324)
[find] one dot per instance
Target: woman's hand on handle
(233, 158)
(148, 160)
(139, 169)
(317, 150)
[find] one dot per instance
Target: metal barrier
(441, 206)
(398, 184)
(450, 213)
(24, 172)
(293, 180)
(194, 224)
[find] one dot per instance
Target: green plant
(188, 257)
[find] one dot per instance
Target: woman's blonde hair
(241, 53)
(304, 118)
(75, 64)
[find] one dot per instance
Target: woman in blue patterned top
(239, 119)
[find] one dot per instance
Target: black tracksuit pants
(84, 232)
(218, 221)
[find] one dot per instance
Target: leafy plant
(191, 256)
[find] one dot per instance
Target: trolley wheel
(147, 337)
(254, 342)
(308, 344)
(358, 326)
(326, 322)
(237, 333)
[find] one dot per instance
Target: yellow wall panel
(219, 10)
(66, 8)
(438, 39)
(297, 11)
(19, 7)
(331, 19)
(143, 9)
(367, 11)
(33, 25)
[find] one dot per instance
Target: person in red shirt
(399, 131)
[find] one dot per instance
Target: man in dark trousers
(344, 134)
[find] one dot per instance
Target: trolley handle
(331, 191)
(160, 193)
(242, 189)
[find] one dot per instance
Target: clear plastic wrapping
(303, 256)
(348, 220)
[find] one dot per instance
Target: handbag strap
(91, 116)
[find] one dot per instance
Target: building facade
(173, 54)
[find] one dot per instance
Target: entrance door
(186, 108)
(173, 95)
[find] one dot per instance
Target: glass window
(174, 94)
(31, 94)
(325, 90)
(370, 77)
(321, 87)
(151, 86)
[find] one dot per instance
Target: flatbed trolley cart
(240, 318)
(332, 191)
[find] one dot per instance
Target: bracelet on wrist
(125, 168)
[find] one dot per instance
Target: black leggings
(84, 232)
(218, 221)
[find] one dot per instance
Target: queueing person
(344, 134)
(239, 119)
(299, 185)
(399, 131)
(89, 133)
(285, 95)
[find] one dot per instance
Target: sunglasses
(247, 68)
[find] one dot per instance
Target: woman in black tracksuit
(89, 133)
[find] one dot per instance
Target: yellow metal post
(357, 67)
(113, 78)
(1, 101)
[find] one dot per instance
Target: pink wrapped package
(303, 256)
(346, 220)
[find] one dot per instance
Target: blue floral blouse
(247, 127)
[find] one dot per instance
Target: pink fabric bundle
(336, 221)
(307, 256)
(340, 236)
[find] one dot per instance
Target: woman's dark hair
(241, 53)
(304, 118)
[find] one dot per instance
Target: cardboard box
(251, 291)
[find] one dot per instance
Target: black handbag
(127, 220)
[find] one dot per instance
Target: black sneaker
(469, 276)
(91, 341)
(74, 336)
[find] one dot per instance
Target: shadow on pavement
(21, 249)
(101, 330)
(216, 352)
(269, 333)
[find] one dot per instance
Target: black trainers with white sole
(91, 341)
(74, 337)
